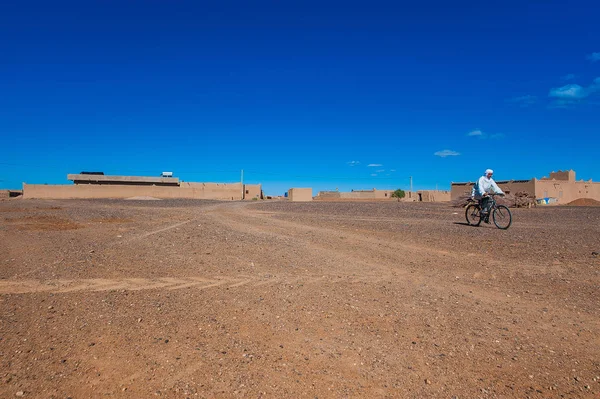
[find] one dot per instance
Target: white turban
(488, 171)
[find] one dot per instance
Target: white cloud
(572, 91)
(353, 163)
(480, 134)
(374, 165)
(593, 57)
(572, 94)
(524, 101)
(380, 170)
(446, 153)
(392, 170)
(568, 76)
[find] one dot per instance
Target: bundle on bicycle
(485, 190)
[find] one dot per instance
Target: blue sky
(347, 95)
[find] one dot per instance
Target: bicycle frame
(493, 210)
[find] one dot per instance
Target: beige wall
(4, 194)
(433, 196)
(383, 194)
(365, 195)
(560, 175)
(328, 195)
(221, 191)
(410, 196)
(458, 190)
(355, 195)
(252, 191)
(300, 194)
(565, 192)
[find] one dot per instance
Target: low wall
(355, 195)
(328, 195)
(300, 194)
(4, 194)
(433, 196)
(252, 191)
(218, 191)
(364, 195)
(565, 192)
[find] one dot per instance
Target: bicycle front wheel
(473, 215)
(502, 217)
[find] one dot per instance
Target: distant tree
(398, 194)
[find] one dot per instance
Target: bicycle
(500, 214)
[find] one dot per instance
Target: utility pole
(242, 181)
(411, 184)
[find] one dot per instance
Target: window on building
(560, 194)
(247, 191)
(545, 194)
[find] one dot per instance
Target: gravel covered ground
(184, 298)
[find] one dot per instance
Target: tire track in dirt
(382, 244)
(370, 241)
(356, 248)
(138, 284)
(128, 284)
(148, 234)
(173, 226)
(321, 247)
(368, 259)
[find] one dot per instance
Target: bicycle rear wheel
(473, 215)
(502, 217)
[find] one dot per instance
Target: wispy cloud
(524, 101)
(572, 91)
(373, 174)
(572, 94)
(475, 133)
(353, 163)
(568, 76)
(392, 170)
(446, 153)
(480, 134)
(594, 57)
(374, 165)
(380, 170)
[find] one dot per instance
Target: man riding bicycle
(481, 190)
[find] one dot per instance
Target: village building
(98, 185)
(378, 195)
(559, 188)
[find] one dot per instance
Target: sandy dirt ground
(186, 299)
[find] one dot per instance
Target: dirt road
(276, 299)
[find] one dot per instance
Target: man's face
(489, 175)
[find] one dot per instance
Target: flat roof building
(560, 188)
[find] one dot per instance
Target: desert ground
(208, 299)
